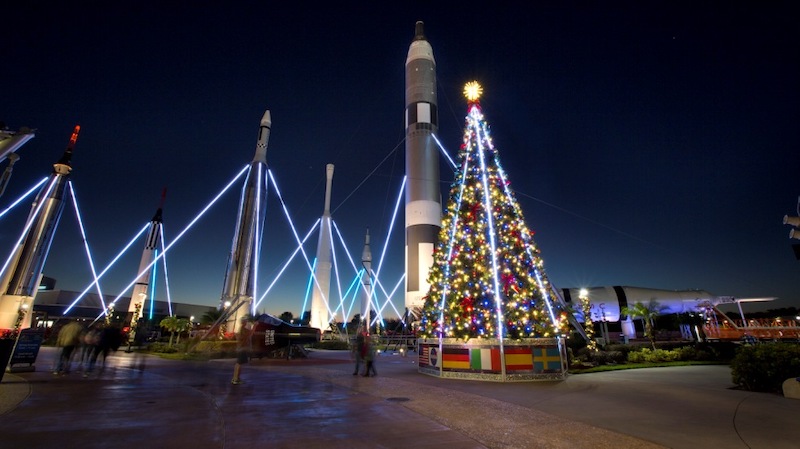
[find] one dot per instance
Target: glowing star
(473, 91)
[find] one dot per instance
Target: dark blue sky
(651, 144)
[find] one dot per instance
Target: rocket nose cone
(266, 120)
(419, 33)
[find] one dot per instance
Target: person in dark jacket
(110, 340)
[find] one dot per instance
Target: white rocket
(240, 276)
(23, 271)
(366, 282)
(141, 289)
(607, 302)
(320, 316)
(423, 199)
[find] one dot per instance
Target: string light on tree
(487, 279)
(588, 324)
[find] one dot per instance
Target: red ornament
(508, 282)
(475, 209)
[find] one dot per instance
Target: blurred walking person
(89, 339)
(358, 350)
(109, 339)
(68, 339)
(243, 349)
(369, 357)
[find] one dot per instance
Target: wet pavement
(317, 402)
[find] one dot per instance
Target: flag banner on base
(485, 359)
(429, 356)
(455, 358)
(546, 359)
(518, 358)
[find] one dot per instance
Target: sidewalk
(317, 402)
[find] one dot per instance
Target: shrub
(576, 343)
(690, 353)
(764, 367)
(583, 354)
(647, 355)
(722, 351)
(163, 348)
(217, 348)
(331, 344)
(607, 357)
(621, 348)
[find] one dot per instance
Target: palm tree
(647, 313)
(211, 316)
(170, 323)
(182, 325)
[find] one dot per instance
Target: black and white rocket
(142, 289)
(423, 199)
(22, 272)
(320, 304)
(241, 274)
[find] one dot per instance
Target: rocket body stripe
(423, 198)
(320, 298)
(240, 274)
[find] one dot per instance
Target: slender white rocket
(141, 289)
(366, 282)
(241, 274)
(320, 302)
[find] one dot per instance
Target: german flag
(455, 358)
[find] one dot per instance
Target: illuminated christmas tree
(487, 280)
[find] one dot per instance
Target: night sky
(651, 144)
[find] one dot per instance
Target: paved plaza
(317, 403)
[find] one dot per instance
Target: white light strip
(166, 276)
(487, 205)
(189, 226)
(85, 241)
(31, 218)
(23, 196)
(441, 147)
(110, 264)
(285, 265)
(450, 244)
(296, 237)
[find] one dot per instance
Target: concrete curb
(13, 390)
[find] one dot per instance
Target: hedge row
(765, 366)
